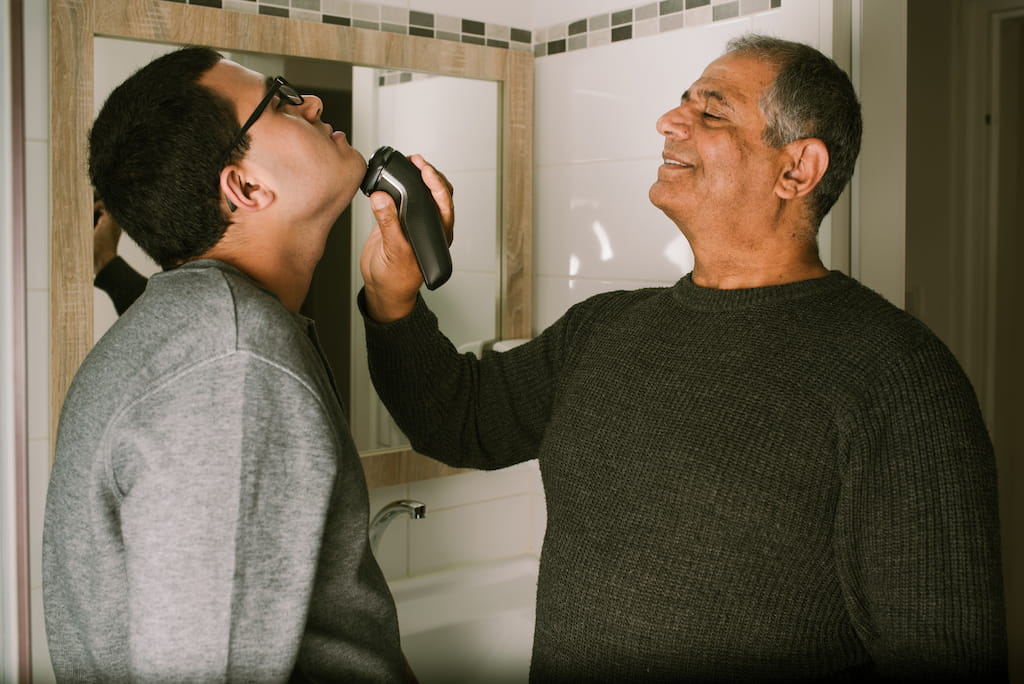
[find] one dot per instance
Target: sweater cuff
(121, 282)
(413, 342)
(419, 315)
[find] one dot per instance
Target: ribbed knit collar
(693, 296)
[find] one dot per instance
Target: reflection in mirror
(452, 122)
(75, 25)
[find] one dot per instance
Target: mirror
(452, 121)
(399, 90)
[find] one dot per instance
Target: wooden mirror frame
(74, 23)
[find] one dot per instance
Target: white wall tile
(37, 132)
(37, 215)
(393, 15)
(498, 32)
(643, 29)
(366, 11)
(596, 221)
(448, 24)
(38, 353)
(699, 16)
(797, 20)
(475, 246)
(338, 8)
(37, 69)
(424, 120)
(466, 305)
(246, 6)
(602, 103)
(591, 105)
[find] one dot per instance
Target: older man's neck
(737, 270)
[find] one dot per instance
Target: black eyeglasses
(278, 86)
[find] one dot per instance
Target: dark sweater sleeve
(917, 530)
(480, 413)
(122, 282)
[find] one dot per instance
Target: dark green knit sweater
(777, 484)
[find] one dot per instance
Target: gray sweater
(206, 516)
(777, 484)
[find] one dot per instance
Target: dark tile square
(623, 17)
(421, 19)
(521, 36)
(729, 10)
(670, 7)
(473, 27)
(622, 33)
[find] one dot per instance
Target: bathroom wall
(602, 78)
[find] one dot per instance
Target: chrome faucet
(380, 522)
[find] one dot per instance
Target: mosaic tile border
(601, 29)
(388, 77)
(645, 20)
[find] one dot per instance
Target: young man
(207, 512)
(763, 473)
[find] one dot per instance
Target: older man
(765, 472)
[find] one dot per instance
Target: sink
(471, 623)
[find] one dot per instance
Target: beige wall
(932, 273)
(878, 252)
(963, 275)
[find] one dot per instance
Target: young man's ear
(806, 163)
(242, 192)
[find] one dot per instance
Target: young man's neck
(284, 269)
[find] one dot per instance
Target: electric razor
(391, 171)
